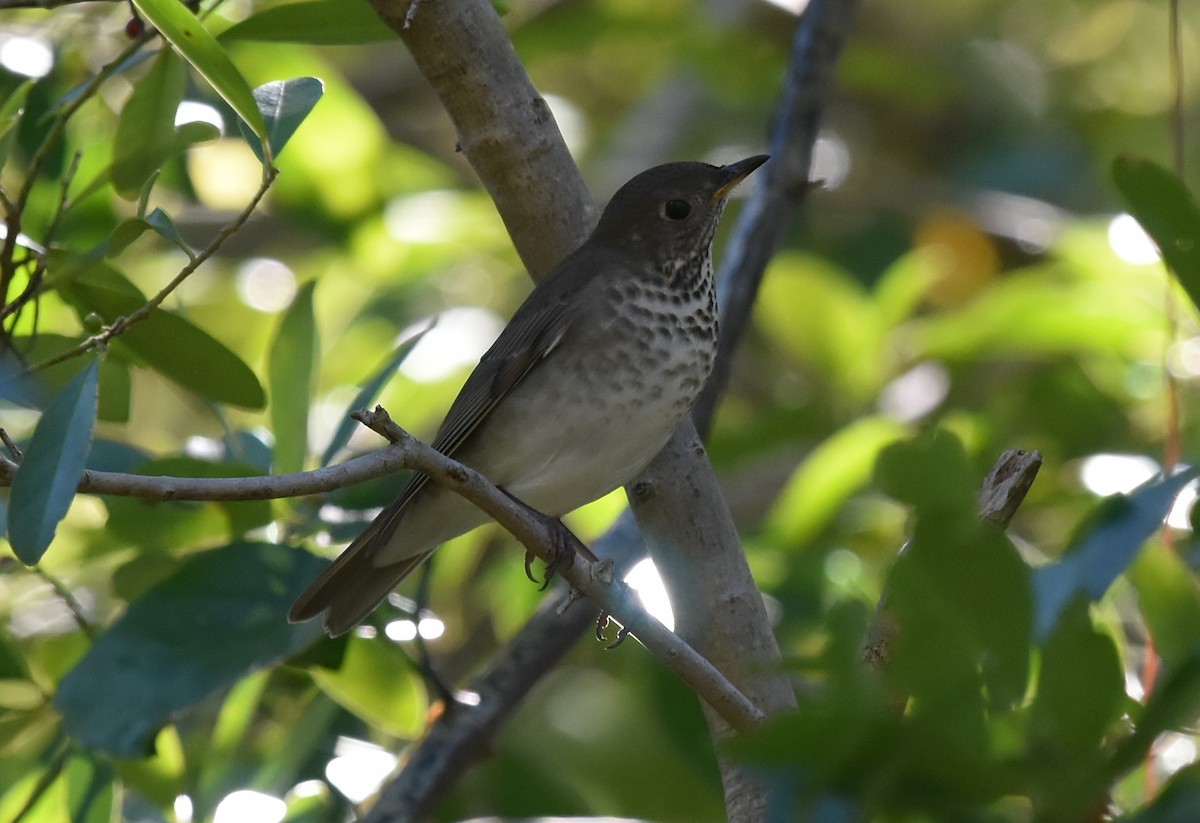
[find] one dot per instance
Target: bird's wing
(526, 341)
(354, 585)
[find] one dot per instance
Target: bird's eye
(677, 209)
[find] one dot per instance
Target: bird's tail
(353, 586)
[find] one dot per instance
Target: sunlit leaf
(187, 34)
(284, 105)
(320, 22)
(292, 375)
(1168, 212)
(833, 471)
(376, 681)
(1105, 547)
(10, 118)
(221, 616)
(45, 485)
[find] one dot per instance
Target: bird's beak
(735, 173)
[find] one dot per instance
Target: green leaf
(836, 469)
(10, 118)
(1104, 547)
(292, 375)
(284, 105)
(44, 487)
(168, 343)
(1169, 601)
(320, 22)
(1168, 212)
(369, 391)
(221, 616)
(175, 524)
(376, 681)
(187, 34)
(146, 128)
(1081, 686)
(161, 222)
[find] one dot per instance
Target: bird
(582, 388)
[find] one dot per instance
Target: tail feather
(352, 587)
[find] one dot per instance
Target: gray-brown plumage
(580, 391)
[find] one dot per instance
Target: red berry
(134, 27)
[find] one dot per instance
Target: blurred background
(966, 262)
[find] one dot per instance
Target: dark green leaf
(1081, 686)
(165, 341)
(1167, 211)
(1178, 802)
(161, 222)
(146, 128)
(221, 616)
(929, 472)
(175, 524)
(187, 34)
(320, 22)
(44, 487)
(368, 392)
(292, 376)
(1169, 601)
(1173, 705)
(284, 105)
(124, 234)
(1105, 546)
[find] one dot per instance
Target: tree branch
(594, 580)
(300, 484)
(434, 762)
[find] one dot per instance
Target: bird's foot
(602, 624)
(562, 552)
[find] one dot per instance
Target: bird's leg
(562, 546)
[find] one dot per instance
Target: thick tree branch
(822, 31)
(435, 762)
(505, 128)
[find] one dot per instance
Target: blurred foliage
(963, 286)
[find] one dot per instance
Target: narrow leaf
(369, 391)
(320, 22)
(161, 222)
(171, 345)
(222, 615)
(146, 128)
(187, 34)
(1168, 212)
(291, 375)
(45, 485)
(284, 104)
(1109, 543)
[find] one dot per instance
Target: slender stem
(121, 324)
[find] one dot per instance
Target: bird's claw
(562, 555)
(602, 623)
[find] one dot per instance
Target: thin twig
(70, 601)
(121, 324)
(299, 484)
